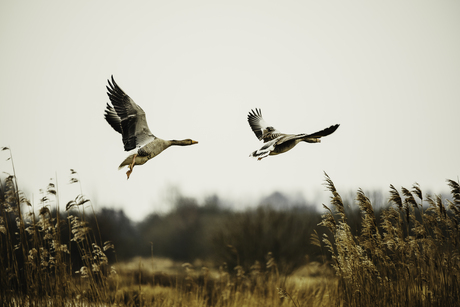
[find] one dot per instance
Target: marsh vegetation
(404, 253)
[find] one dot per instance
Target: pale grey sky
(387, 71)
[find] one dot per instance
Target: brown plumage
(127, 118)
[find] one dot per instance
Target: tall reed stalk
(37, 266)
(409, 256)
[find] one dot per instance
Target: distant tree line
(209, 231)
(213, 232)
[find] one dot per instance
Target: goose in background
(276, 142)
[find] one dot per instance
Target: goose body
(127, 118)
(276, 142)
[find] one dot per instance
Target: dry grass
(39, 268)
(408, 255)
(189, 285)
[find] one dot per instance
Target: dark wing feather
(112, 118)
(260, 128)
(131, 118)
(324, 132)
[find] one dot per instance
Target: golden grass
(406, 255)
(39, 269)
(409, 256)
(200, 286)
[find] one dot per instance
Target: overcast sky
(387, 71)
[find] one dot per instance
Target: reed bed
(404, 255)
(38, 263)
(53, 258)
(407, 256)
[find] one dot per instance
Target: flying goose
(276, 142)
(127, 118)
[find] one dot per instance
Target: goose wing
(262, 130)
(127, 118)
(324, 132)
(112, 118)
(310, 138)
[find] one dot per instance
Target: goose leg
(131, 166)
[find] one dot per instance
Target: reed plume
(407, 256)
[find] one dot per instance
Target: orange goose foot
(131, 167)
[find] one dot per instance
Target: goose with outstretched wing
(276, 142)
(127, 118)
